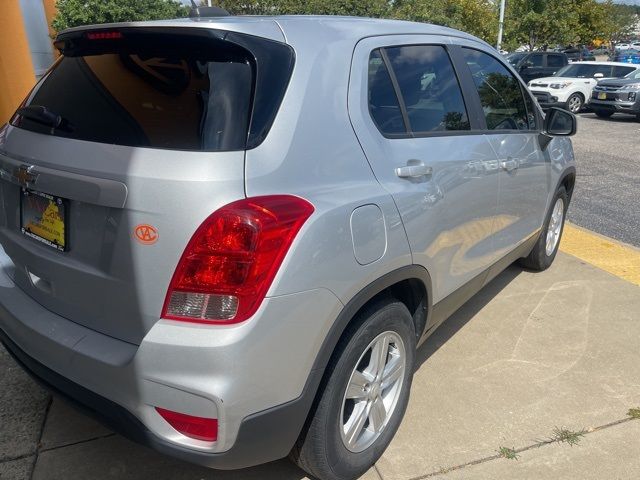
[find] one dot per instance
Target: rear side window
(428, 88)
(619, 72)
(383, 102)
(534, 60)
(555, 61)
(168, 91)
(500, 92)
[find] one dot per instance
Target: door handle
(413, 170)
(510, 164)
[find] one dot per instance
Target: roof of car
(276, 27)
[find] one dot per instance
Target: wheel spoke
(356, 423)
(378, 414)
(379, 354)
(357, 386)
(392, 372)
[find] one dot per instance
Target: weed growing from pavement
(508, 453)
(567, 436)
(634, 413)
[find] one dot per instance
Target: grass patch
(634, 413)
(563, 435)
(508, 453)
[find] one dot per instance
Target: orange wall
(16, 70)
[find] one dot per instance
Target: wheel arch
(410, 284)
(567, 180)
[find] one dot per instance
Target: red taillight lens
(200, 428)
(230, 262)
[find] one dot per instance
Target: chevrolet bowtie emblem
(25, 175)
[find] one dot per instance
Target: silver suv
(226, 237)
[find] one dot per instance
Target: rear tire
(603, 113)
(546, 248)
(348, 428)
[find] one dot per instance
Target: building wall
(35, 22)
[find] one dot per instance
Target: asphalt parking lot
(608, 179)
(542, 367)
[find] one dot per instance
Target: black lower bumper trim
(263, 437)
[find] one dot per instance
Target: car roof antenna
(206, 12)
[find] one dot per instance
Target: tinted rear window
(159, 91)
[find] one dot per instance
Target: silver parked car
(226, 237)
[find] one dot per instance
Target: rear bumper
(263, 437)
(258, 378)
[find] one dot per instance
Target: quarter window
(534, 60)
(554, 61)
(619, 72)
(500, 92)
(429, 88)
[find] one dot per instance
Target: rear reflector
(199, 428)
(230, 262)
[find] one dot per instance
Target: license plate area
(44, 218)
(602, 96)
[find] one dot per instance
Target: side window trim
(477, 126)
(469, 92)
(396, 88)
(523, 91)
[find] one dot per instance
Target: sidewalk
(531, 353)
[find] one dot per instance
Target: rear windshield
(159, 90)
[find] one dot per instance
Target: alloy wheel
(373, 391)
(555, 227)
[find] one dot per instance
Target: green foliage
(358, 8)
(634, 413)
(621, 21)
(478, 17)
(508, 453)
(563, 435)
(72, 13)
(532, 22)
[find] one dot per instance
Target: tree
(72, 13)
(621, 21)
(358, 8)
(549, 22)
(477, 17)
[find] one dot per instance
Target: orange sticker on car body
(146, 234)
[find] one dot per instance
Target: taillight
(200, 428)
(231, 260)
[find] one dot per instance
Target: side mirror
(598, 75)
(560, 123)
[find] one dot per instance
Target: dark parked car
(579, 54)
(621, 95)
(532, 65)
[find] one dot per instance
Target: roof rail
(206, 12)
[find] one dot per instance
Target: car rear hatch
(131, 140)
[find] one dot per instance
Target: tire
(575, 103)
(603, 113)
(323, 449)
(541, 257)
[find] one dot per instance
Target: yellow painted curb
(605, 253)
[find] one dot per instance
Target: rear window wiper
(41, 114)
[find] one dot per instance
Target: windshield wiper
(43, 115)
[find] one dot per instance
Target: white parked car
(622, 46)
(571, 86)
